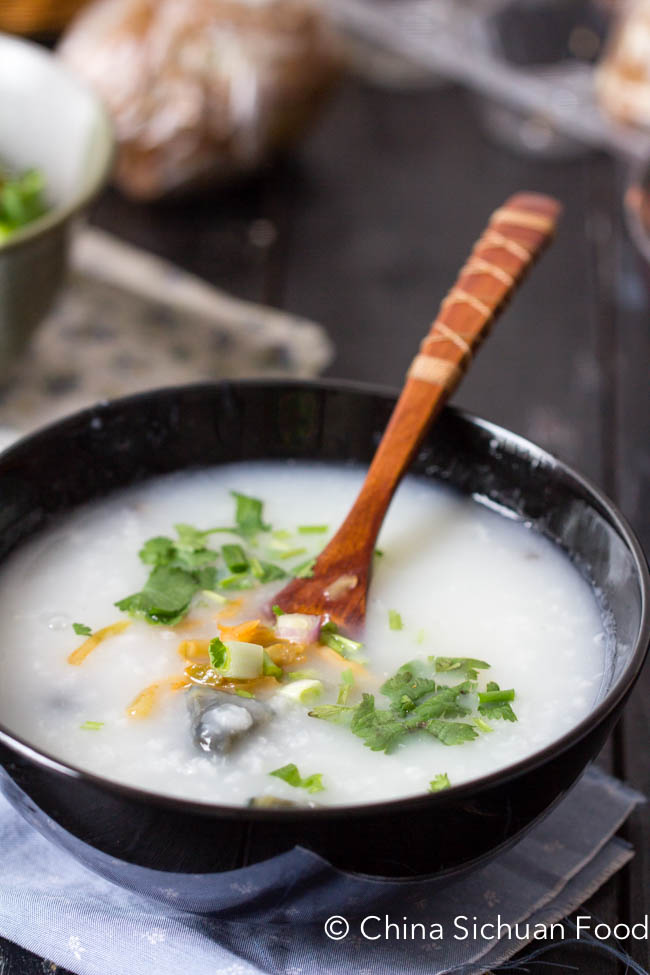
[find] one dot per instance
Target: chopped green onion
(395, 620)
(269, 669)
(301, 674)
(277, 610)
(305, 570)
(485, 696)
(236, 582)
(213, 597)
(482, 725)
(292, 553)
(350, 649)
(304, 691)
(439, 783)
(91, 725)
(235, 558)
(347, 683)
(313, 529)
(236, 659)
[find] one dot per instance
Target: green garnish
(439, 782)
(494, 703)
(350, 649)
(266, 571)
(305, 570)
(483, 725)
(346, 685)
(218, 653)
(235, 558)
(292, 553)
(395, 620)
(21, 200)
(248, 515)
(188, 552)
(468, 665)
(278, 611)
(235, 658)
(237, 581)
(405, 687)
(242, 693)
(291, 775)
(269, 669)
(91, 725)
(81, 629)
(313, 529)
(379, 553)
(166, 596)
(281, 534)
(302, 675)
(382, 730)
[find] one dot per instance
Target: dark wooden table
(363, 230)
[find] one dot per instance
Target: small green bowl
(51, 122)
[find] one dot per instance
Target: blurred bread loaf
(201, 89)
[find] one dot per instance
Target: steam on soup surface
(200, 692)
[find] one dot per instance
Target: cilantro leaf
(380, 730)
(191, 537)
(158, 551)
(441, 704)
(439, 782)
(468, 665)
(165, 598)
(248, 515)
(450, 732)
(218, 653)
(291, 775)
(404, 688)
(494, 703)
(81, 629)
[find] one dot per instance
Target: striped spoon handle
(515, 235)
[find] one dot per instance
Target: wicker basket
(37, 16)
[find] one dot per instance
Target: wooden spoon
(516, 234)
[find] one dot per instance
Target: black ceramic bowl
(202, 853)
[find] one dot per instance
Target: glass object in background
(553, 38)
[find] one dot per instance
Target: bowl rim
(99, 172)
(508, 439)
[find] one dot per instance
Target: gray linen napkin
(55, 907)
